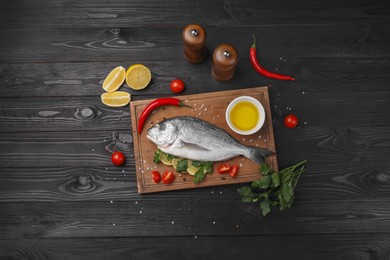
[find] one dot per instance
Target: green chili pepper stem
(182, 104)
(254, 42)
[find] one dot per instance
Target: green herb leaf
(182, 165)
(199, 176)
(275, 179)
(262, 183)
(265, 207)
(246, 194)
(157, 156)
(208, 167)
(197, 163)
(264, 169)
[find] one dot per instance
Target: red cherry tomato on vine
(223, 168)
(118, 158)
(177, 86)
(168, 177)
(291, 121)
(156, 176)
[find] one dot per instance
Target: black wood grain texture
(78, 79)
(156, 44)
(215, 216)
(88, 14)
(323, 247)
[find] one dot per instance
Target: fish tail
(258, 155)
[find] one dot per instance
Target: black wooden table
(60, 195)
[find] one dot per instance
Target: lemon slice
(191, 168)
(166, 159)
(114, 79)
(116, 99)
(138, 76)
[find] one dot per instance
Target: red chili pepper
(153, 105)
(256, 65)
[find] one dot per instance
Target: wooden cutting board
(210, 107)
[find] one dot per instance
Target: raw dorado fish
(195, 139)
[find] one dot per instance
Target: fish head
(163, 134)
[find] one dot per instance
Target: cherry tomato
(223, 168)
(291, 121)
(118, 158)
(156, 176)
(168, 177)
(234, 170)
(177, 86)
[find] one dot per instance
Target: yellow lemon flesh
(138, 76)
(114, 79)
(116, 99)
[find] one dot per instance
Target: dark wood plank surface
(60, 196)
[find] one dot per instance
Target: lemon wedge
(116, 98)
(138, 76)
(114, 79)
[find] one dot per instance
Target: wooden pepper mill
(225, 59)
(194, 39)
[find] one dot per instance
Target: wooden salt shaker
(225, 59)
(194, 39)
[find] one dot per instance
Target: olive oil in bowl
(245, 115)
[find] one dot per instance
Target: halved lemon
(116, 98)
(138, 76)
(114, 79)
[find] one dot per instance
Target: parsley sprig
(205, 168)
(273, 189)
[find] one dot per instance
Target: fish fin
(194, 146)
(180, 144)
(258, 154)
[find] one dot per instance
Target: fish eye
(162, 127)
